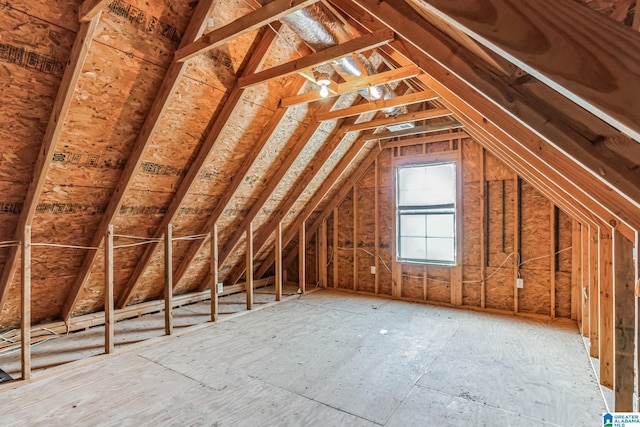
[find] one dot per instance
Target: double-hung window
(426, 213)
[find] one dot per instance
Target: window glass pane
(440, 225)
(440, 249)
(412, 225)
(427, 185)
(413, 248)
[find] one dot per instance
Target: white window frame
(426, 211)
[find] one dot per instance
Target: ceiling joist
(333, 53)
(431, 113)
(251, 21)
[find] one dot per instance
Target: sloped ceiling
(104, 123)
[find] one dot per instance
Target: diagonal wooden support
(160, 103)
(77, 58)
(91, 8)
(251, 21)
(197, 165)
(360, 44)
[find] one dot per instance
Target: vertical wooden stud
(456, 272)
(576, 273)
(624, 271)
(483, 227)
(249, 270)
(552, 260)
(516, 241)
(355, 237)
(302, 259)
(323, 254)
(168, 280)
(584, 283)
(336, 252)
(376, 227)
(606, 308)
(109, 319)
(278, 259)
(594, 292)
(215, 273)
(25, 305)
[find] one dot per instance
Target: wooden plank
(382, 104)
(109, 321)
(323, 254)
(91, 8)
(431, 113)
(302, 258)
(353, 85)
(576, 273)
(376, 225)
(262, 16)
(483, 227)
(606, 307)
(533, 35)
(624, 268)
(594, 292)
(552, 259)
(168, 280)
(215, 272)
(584, 282)
(59, 112)
(159, 106)
(194, 171)
(278, 261)
(520, 101)
(516, 240)
(249, 268)
(25, 304)
(336, 251)
(355, 236)
(359, 44)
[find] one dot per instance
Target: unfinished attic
(329, 212)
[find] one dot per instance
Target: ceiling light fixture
(323, 81)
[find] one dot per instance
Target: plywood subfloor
(332, 359)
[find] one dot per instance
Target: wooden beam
(320, 194)
(253, 20)
(382, 104)
(150, 125)
(524, 104)
(516, 239)
(59, 112)
(417, 130)
(376, 225)
(278, 260)
(302, 258)
(584, 282)
(576, 273)
(323, 254)
(552, 259)
(594, 292)
(431, 113)
(249, 269)
(194, 170)
(483, 227)
(354, 239)
(360, 44)
(168, 280)
(537, 37)
(25, 304)
(91, 8)
(336, 250)
(624, 339)
(109, 320)
(354, 84)
(215, 273)
(606, 307)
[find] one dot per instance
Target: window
(426, 209)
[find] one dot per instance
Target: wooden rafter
(398, 101)
(251, 21)
(160, 103)
(526, 101)
(274, 180)
(59, 112)
(395, 120)
(91, 8)
(238, 178)
(366, 42)
(198, 163)
(533, 36)
(355, 84)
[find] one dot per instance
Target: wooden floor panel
(331, 359)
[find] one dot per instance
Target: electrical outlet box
(519, 283)
(373, 269)
(220, 287)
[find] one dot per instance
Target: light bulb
(324, 91)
